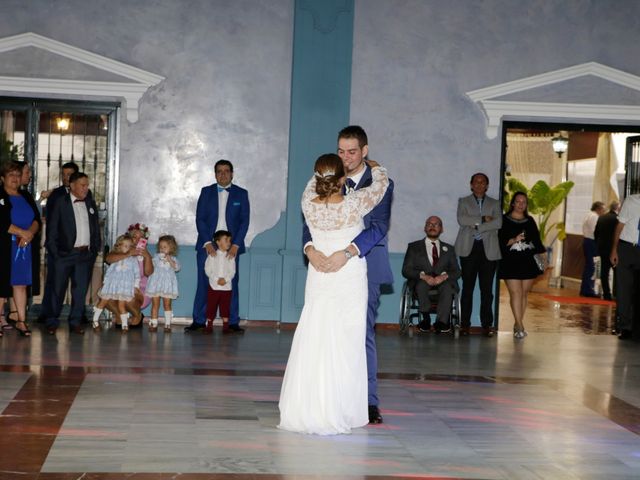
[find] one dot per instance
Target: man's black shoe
(194, 327)
(374, 415)
(236, 329)
(624, 334)
(441, 327)
(424, 326)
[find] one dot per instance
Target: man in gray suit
(431, 265)
(480, 218)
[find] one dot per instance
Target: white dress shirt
(429, 243)
(83, 234)
(356, 179)
(223, 196)
(589, 225)
(220, 266)
(630, 216)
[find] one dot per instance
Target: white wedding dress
(324, 390)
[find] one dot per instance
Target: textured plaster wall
(413, 61)
(226, 95)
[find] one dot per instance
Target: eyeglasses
(433, 225)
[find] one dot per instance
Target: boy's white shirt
(220, 266)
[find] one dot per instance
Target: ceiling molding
(495, 110)
(132, 92)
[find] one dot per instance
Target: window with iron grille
(49, 133)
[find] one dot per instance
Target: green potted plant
(8, 151)
(543, 200)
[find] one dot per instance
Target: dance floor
(561, 404)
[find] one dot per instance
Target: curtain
(605, 188)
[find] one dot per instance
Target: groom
(371, 243)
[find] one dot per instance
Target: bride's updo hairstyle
(328, 171)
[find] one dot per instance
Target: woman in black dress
(519, 243)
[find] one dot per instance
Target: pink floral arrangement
(141, 227)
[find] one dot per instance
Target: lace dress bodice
(348, 213)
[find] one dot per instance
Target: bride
(324, 390)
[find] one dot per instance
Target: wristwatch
(348, 254)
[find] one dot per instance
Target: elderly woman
(19, 224)
(137, 232)
(35, 250)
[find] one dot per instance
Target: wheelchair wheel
(455, 316)
(405, 309)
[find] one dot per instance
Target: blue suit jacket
(372, 241)
(236, 215)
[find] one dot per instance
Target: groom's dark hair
(354, 131)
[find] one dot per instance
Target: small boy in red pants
(220, 268)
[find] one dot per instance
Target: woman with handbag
(521, 247)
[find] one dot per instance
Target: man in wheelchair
(431, 269)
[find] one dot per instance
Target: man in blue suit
(371, 243)
(221, 206)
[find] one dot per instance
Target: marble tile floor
(558, 405)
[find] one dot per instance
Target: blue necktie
(351, 185)
(222, 189)
(638, 232)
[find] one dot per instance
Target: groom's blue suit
(373, 245)
(237, 218)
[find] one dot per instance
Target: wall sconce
(560, 145)
(63, 124)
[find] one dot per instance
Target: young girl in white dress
(163, 283)
(120, 281)
(324, 390)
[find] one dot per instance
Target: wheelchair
(409, 311)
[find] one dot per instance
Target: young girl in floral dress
(120, 281)
(163, 283)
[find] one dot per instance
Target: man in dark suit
(603, 234)
(67, 170)
(73, 242)
(221, 206)
(431, 265)
(353, 147)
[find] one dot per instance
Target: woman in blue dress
(19, 224)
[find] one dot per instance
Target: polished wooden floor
(564, 403)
